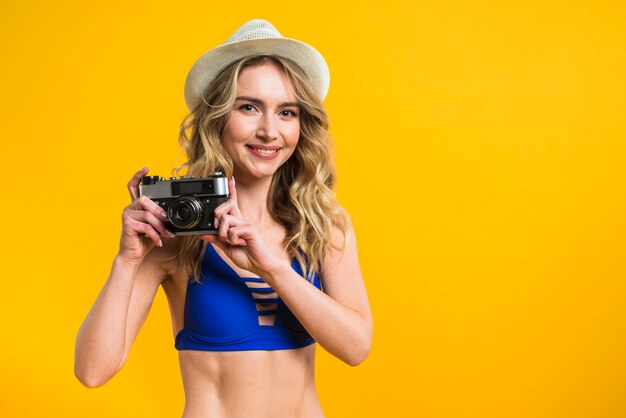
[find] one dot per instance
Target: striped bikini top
(225, 312)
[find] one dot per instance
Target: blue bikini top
(225, 312)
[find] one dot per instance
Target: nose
(267, 130)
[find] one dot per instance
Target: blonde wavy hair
(301, 196)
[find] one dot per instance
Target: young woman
(248, 303)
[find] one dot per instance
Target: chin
(257, 169)
(256, 173)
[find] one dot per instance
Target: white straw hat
(255, 37)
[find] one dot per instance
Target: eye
(288, 113)
(247, 108)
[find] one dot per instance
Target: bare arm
(338, 318)
(107, 333)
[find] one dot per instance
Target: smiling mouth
(264, 151)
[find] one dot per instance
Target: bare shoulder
(341, 271)
(341, 240)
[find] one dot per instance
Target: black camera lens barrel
(185, 212)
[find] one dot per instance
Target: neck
(252, 199)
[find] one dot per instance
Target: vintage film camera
(189, 202)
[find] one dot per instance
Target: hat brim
(213, 62)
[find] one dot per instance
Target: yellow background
(481, 153)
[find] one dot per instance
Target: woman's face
(264, 125)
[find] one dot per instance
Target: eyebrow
(260, 102)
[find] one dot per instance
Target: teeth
(265, 151)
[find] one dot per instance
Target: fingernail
(160, 244)
(169, 233)
(164, 215)
(215, 223)
(233, 180)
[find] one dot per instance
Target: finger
(135, 227)
(223, 225)
(234, 237)
(232, 191)
(232, 195)
(222, 210)
(246, 232)
(227, 222)
(145, 203)
(228, 207)
(133, 184)
(150, 218)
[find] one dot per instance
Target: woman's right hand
(143, 223)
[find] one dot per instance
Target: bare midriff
(246, 384)
(232, 384)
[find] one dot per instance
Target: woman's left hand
(239, 239)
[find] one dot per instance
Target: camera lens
(185, 212)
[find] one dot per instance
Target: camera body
(189, 202)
